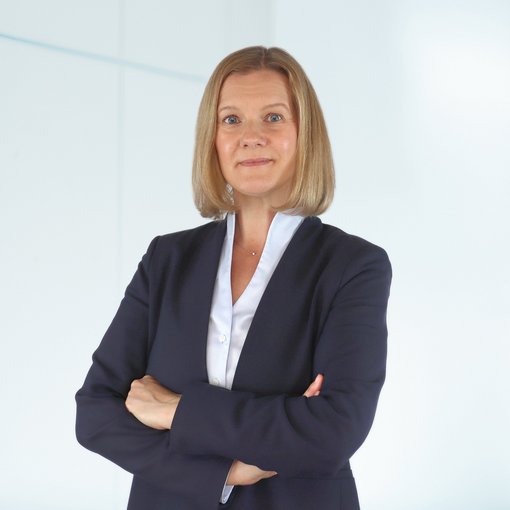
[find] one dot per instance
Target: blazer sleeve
(104, 425)
(295, 435)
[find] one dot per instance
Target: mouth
(255, 162)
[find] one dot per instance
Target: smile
(255, 162)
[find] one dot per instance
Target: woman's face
(256, 136)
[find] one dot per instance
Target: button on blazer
(323, 311)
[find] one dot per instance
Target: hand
(151, 403)
(246, 474)
(315, 387)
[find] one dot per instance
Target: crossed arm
(154, 405)
(209, 426)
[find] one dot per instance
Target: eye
(274, 117)
(231, 119)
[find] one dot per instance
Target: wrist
(170, 409)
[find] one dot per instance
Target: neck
(252, 226)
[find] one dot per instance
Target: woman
(244, 364)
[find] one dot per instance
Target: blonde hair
(314, 178)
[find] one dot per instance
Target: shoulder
(338, 242)
(185, 242)
(341, 253)
(357, 266)
(192, 235)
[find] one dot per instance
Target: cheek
(222, 147)
(289, 145)
(288, 139)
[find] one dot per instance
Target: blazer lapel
(258, 346)
(207, 258)
(180, 357)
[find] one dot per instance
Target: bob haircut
(314, 177)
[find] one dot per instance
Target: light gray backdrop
(98, 100)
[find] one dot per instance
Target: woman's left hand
(314, 390)
(151, 403)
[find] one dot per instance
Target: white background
(98, 100)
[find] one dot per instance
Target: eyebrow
(272, 105)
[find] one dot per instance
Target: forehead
(261, 87)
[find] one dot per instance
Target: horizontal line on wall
(161, 71)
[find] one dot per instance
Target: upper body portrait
(243, 367)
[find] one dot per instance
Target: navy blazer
(323, 311)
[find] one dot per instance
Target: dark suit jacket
(323, 311)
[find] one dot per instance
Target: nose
(252, 136)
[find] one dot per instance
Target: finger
(319, 380)
(310, 391)
(314, 389)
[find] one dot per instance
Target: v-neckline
(249, 285)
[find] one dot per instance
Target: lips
(255, 162)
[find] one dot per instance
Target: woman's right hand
(246, 474)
